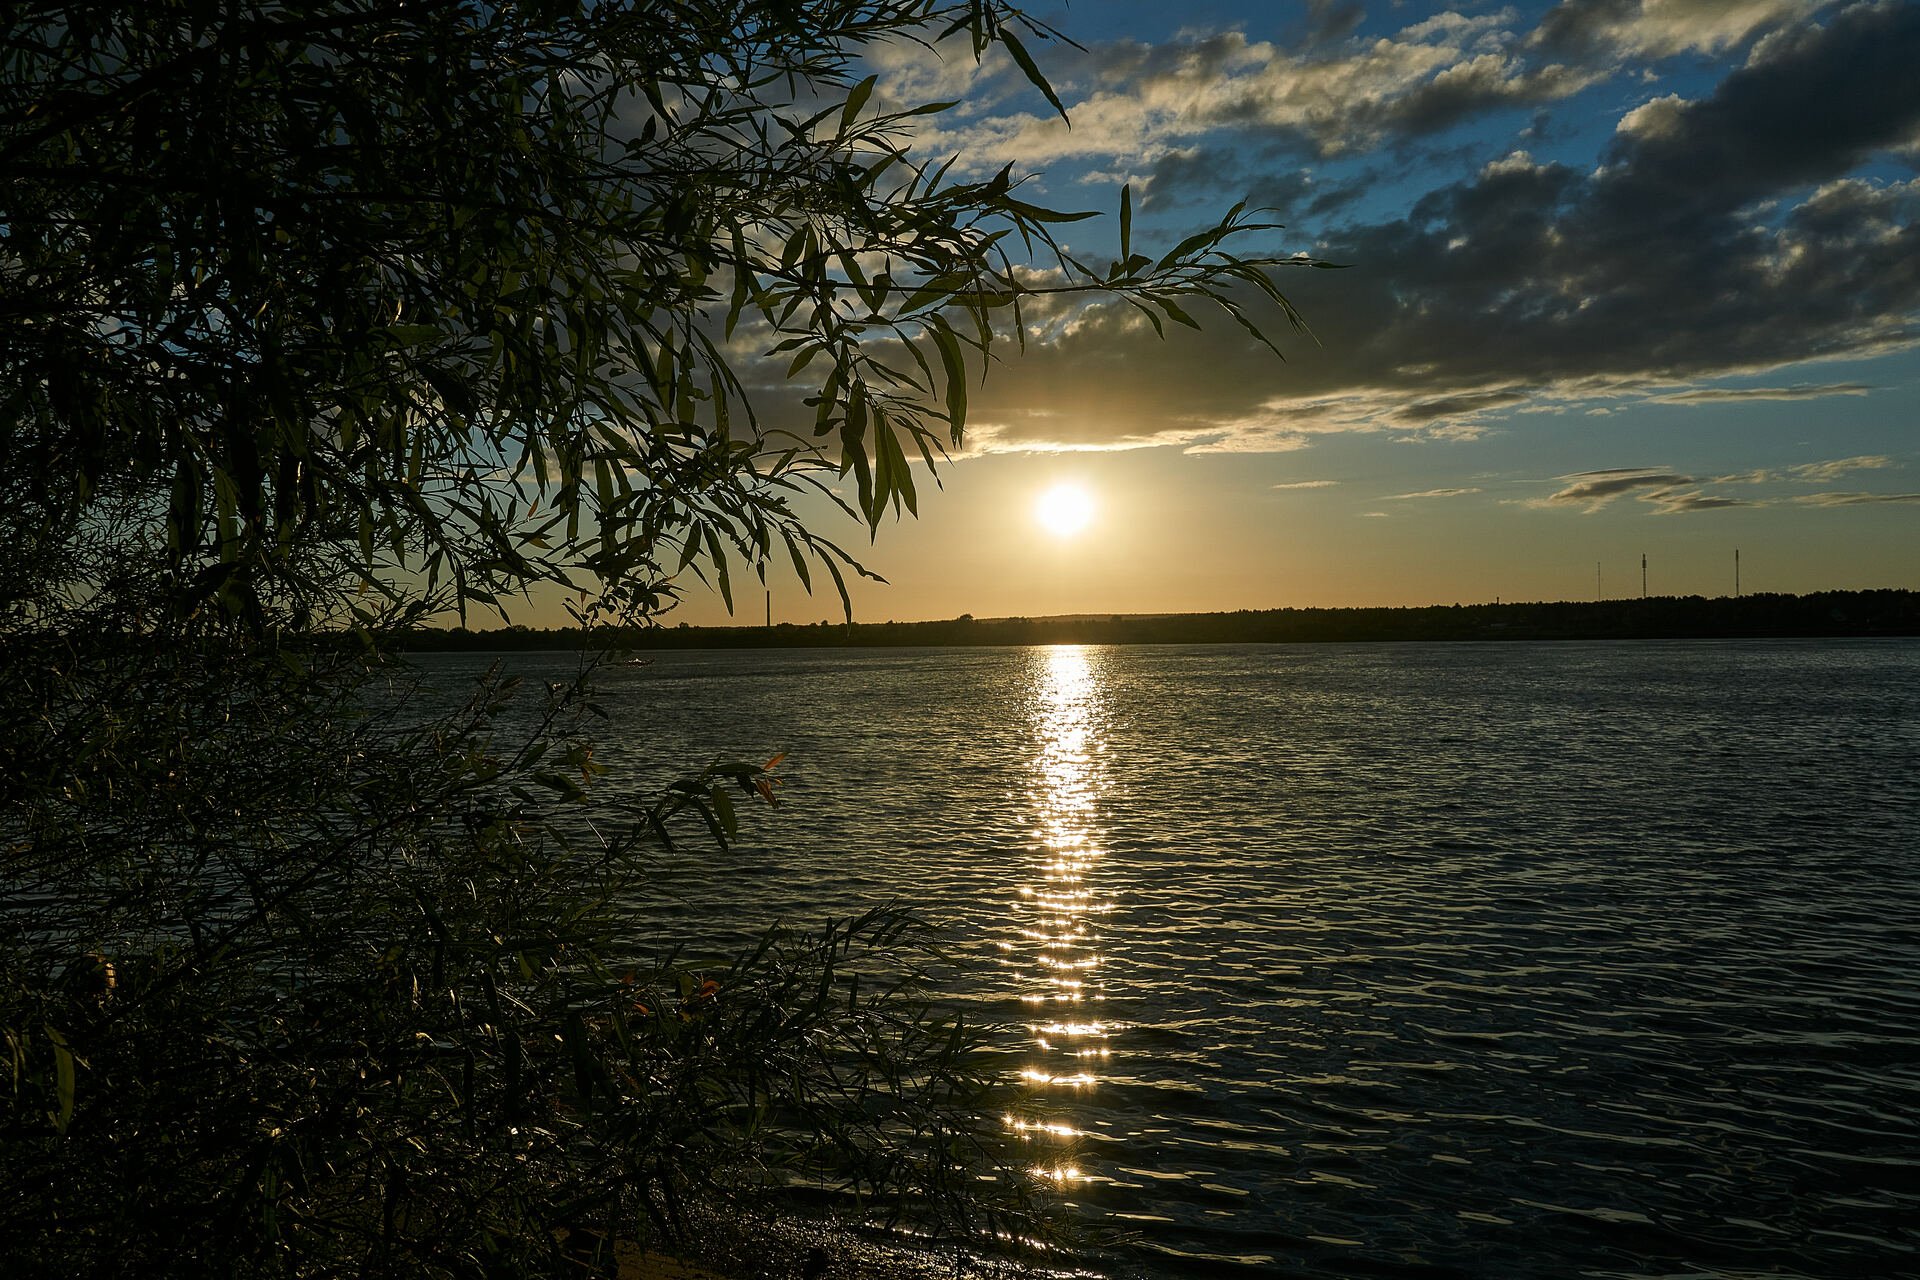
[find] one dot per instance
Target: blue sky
(1624, 278)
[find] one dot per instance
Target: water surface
(1579, 959)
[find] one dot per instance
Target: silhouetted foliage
(335, 288)
(321, 318)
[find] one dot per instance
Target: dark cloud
(1580, 28)
(1334, 197)
(1808, 112)
(1458, 406)
(1329, 21)
(1336, 96)
(1196, 177)
(1731, 235)
(1655, 267)
(1294, 195)
(1129, 63)
(1662, 263)
(1468, 89)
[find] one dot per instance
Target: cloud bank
(1752, 228)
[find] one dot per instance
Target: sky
(1621, 279)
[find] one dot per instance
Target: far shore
(1885, 612)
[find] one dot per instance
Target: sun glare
(1064, 510)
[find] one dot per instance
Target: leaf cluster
(318, 319)
(440, 300)
(365, 999)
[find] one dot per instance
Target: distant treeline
(1824, 613)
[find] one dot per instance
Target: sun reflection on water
(1056, 953)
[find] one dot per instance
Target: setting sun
(1064, 510)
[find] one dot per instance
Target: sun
(1064, 510)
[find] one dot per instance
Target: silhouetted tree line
(1821, 613)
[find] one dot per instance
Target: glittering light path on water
(1423, 961)
(1054, 954)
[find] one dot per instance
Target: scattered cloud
(1669, 502)
(1334, 96)
(1734, 395)
(1820, 471)
(1308, 484)
(1326, 92)
(1811, 472)
(1593, 490)
(1428, 493)
(1661, 28)
(1833, 499)
(1672, 493)
(1734, 240)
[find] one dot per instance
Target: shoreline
(1820, 615)
(779, 1247)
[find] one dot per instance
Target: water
(1413, 960)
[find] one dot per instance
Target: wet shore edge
(793, 1248)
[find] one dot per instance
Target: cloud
(1332, 20)
(1326, 92)
(1428, 493)
(1193, 176)
(1799, 391)
(1307, 484)
(1822, 471)
(1671, 493)
(1666, 262)
(1661, 28)
(1811, 472)
(1045, 432)
(1595, 489)
(1832, 499)
(1668, 502)
(1457, 406)
(1338, 96)
(1726, 235)
(1733, 241)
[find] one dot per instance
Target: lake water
(1408, 960)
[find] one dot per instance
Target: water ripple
(1401, 960)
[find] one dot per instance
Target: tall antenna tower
(1643, 575)
(1736, 573)
(1596, 581)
